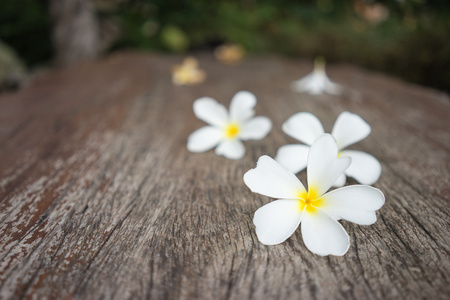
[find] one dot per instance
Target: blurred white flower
(316, 210)
(226, 130)
(348, 129)
(316, 82)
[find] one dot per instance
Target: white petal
(255, 128)
(271, 179)
(356, 203)
(204, 139)
(365, 168)
(304, 127)
(341, 180)
(349, 128)
(304, 80)
(241, 106)
(316, 83)
(313, 83)
(324, 235)
(293, 157)
(210, 111)
(302, 84)
(331, 87)
(324, 167)
(232, 149)
(276, 222)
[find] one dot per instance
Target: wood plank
(101, 199)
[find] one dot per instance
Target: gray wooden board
(100, 198)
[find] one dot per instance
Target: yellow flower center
(232, 130)
(309, 200)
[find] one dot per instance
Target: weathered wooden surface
(100, 198)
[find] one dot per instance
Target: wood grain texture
(101, 200)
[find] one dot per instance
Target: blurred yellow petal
(229, 54)
(188, 73)
(374, 13)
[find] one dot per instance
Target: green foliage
(174, 38)
(411, 42)
(25, 25)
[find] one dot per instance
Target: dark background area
(405, 38)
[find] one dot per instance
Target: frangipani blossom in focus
(348, 129)
(227, 129)
(317, 211)
(316, 82)
(188, 73)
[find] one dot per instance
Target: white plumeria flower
(316, 82)
(227, 129)
(348, 129)
(317, 211)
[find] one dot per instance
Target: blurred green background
(406, 38)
